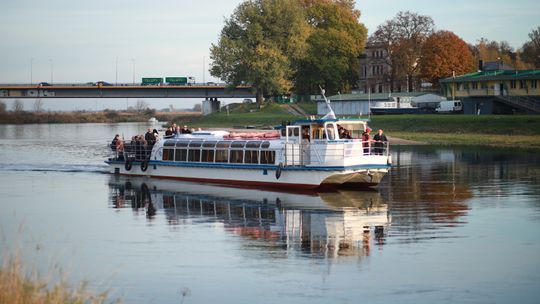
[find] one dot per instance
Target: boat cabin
(319, 130)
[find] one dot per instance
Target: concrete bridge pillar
(210, 105)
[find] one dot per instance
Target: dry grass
(19, 287)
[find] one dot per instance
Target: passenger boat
(307, 154)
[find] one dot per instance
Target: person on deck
(185, 130)
(380, 142)
(366, 141)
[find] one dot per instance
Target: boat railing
(129, 150)
(321, 153)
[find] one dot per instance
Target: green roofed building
(496, 91)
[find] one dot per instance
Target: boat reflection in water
(318, 224)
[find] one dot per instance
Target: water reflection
(344, 223)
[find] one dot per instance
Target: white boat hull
(269, 176)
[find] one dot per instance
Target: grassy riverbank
(493, 130)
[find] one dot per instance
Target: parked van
(449, 106)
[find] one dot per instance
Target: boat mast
(330, 114)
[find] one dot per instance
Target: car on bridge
(102, 83)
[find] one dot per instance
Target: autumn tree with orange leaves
(443, 54)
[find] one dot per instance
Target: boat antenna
(330, 114)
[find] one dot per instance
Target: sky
(66, 41)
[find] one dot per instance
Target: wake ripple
(66, 168)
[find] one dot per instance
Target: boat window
(195, 144)
(180, 155)
(182, 144)
(209, 144)
(223, 144)
(294, 132)
(194, 155)
(330, 131)
(268, 157)
(168, 154)
(236, 156)
(207, 156)
(222, 156)
(169, 143)
(265, 145)
(253, 144)
(252, 157)
(238, 144)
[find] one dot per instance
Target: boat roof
(320, 120)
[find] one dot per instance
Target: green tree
(259, 44)
(336, 41)
(445, 53)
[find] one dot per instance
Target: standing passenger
(366, 141)
(185, 130)
(380, 142)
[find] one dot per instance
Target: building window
(474, 85)
(522, 84)
(534, 84)
(483, 85)
(512, 84)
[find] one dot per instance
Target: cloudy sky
(82, 41)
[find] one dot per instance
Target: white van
(449, 106)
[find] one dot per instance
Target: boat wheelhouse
(307, 154)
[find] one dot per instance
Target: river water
(447, 225)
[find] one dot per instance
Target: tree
(18, 106)
(2, 107)
(197, 107)
(531, 49)
(487, 51)
(259, 44)
(140, 106)
(337, 39)
(38, 105)
(403, 38)
(445, 53)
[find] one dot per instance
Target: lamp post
(52, 69)
(133, 61)
(116, 78)
(31, 70)
(203, 69)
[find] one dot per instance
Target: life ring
(128, 165)
(144, 165)
(278, 170)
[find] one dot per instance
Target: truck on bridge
(158, 81)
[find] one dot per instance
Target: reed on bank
(19, 287)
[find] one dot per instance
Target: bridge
(124, 90)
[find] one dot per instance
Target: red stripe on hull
(261, 184)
